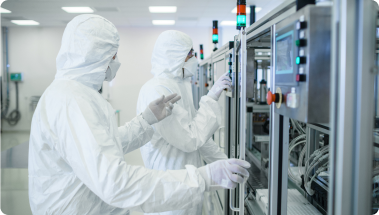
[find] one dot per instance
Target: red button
(297, 77)
(270, 97)
(300, 77)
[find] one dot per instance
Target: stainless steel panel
(315, 90)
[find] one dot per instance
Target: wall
(32, 51)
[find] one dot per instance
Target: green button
(298, 60)
(297, 42)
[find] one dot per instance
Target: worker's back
(54, 188)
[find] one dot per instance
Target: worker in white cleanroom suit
(76, 151)
(185, 137)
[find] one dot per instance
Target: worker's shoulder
(67, 90)
(158, 85)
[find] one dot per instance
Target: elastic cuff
(212, 95)
(149, 116)
(204, 172)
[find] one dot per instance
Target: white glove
(160, 108)
(224, 174)
(224, 82)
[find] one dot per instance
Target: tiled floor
(14, 173)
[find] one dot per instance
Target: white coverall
(185, 136)
(76, 154)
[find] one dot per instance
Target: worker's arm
(211, 152)
(135, 134)
(177, 130)
(88, 145)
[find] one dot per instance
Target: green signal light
(201, 56)
(297, 60)
(241, 20)
(215, 38)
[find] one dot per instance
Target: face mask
(113, 66)
(190, 67)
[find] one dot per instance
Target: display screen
(284, 54)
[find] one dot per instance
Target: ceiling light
(163, 22)
(25, 22)
(162, 9)
(228, 23)
(2, 10)
(77, 9)
(257, 9)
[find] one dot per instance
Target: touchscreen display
(284, 53)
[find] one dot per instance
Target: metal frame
(352, 106)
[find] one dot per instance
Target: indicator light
(301, 42)
(195, 54)
(301, 25)
(300, 77)
(241, 14)
(215, 38)
(215, 31)
(201, 52)
(300, 60)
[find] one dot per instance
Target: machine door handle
(230, 202)
(219, 137)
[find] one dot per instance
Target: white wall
(32, 51)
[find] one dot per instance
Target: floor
(14, 172)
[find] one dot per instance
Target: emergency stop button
(272, 97)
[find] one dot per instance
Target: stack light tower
(215, 34)
(201, 52)
(241, 14)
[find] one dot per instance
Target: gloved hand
(224, 82)
(160, 108)
(221, 174)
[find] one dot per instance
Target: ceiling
(128, 12)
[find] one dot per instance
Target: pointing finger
(177, 98)
(169, 97)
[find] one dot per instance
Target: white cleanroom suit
(76, 150)
(76, 153)
(185, 136)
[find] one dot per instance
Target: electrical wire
(301, 157)
(290, 173)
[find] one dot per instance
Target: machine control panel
(302, 65)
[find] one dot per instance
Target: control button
(206, 84)
(293, 99)
(302, 34)
(301, 70)
(301, 25)
(300, 77)
(230, 63)
(301, 60)
(272, 97)
(301, 42)
(301, 52)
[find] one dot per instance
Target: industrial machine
(311, 150)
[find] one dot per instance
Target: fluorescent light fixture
(77, 9)
(25, 22)
(228, 23)
(163, 22)
(257, 9)
(2, 10)
(162, 9)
